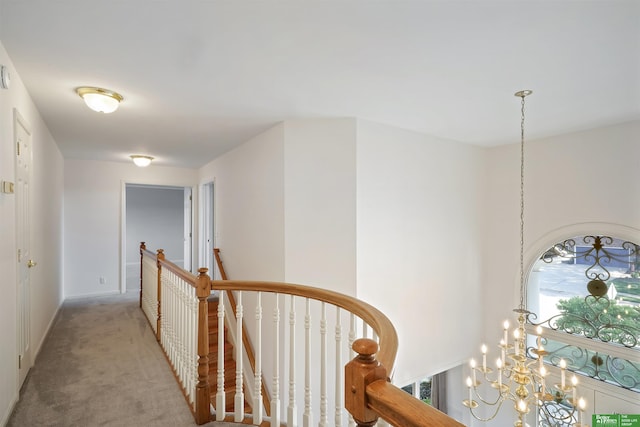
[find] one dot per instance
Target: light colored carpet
(101, 366)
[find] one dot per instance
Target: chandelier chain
(522, 287)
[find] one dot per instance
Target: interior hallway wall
(420, 215)
(93, 197)
(47, 230)
(249, 207)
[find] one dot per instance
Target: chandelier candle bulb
(516, 335)
(563, 367)
(540, 359)
(499, 365)
(506, 332)
(522, 406)
(503, 346)
(539, 339)
(472, 363)
(581, 405)
(574, 386)
(484, 357)
(469, 386)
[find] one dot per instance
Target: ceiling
(200, 77)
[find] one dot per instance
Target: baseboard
(46, 334)
(97, 294)
(7, 415)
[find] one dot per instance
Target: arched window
(585, 293)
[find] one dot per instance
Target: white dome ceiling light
(140, 160)
(100, 100)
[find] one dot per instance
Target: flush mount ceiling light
(140, 160)
(100, 100)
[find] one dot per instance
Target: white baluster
(220, 397)
(292, 410)
(323, 366)
(178, 326)
(239, 396)
(193, 344)
(307, 418)
(257, 391)
(352, 354)
(339, 383)
(275, 400)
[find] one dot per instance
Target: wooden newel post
(143, 247)
(159, 258)
(363, 370)
(203, 397)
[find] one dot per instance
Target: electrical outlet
(103, 280)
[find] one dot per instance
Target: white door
(23, 239)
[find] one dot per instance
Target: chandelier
(518, 378)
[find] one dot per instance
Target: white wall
(154, 215)
(320, 203)
(419, 243)
(249, 207)
(93, 196)
(47, 229)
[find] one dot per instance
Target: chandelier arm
(491, 417)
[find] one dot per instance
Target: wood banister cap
(365, 347)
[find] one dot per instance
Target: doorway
(161, 216)
(22, 143)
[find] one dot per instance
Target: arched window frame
(593, 388)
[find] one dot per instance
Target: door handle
(31, 263)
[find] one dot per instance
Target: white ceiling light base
(100, 100)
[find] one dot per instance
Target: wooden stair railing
(366, 393)
(369, 395)
(247, 345)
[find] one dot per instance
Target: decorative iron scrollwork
(599, 317)
(597, 365)
(596, 251)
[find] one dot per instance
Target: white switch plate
(7, 187)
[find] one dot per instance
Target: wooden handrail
(187, 276)
(369, 395)
(248, 346)
(383, 327)
(399, 408)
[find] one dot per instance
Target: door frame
(207, 229)
(123, 225)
